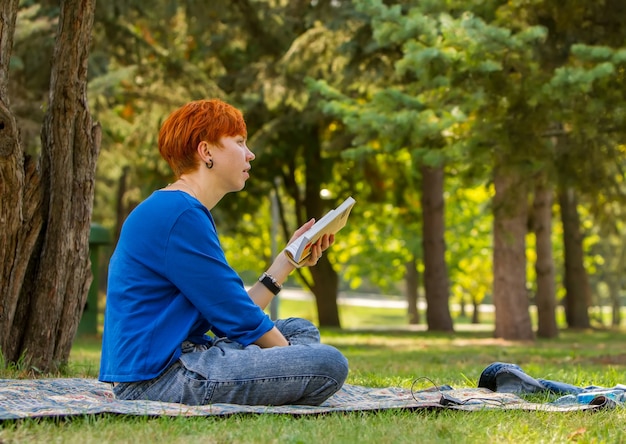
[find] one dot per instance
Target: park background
(482, 140)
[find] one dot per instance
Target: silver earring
(209, 164)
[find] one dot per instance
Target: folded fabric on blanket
(504, 377)
(61, 397)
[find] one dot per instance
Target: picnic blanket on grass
(65, 397)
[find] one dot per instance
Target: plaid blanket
(62, 397)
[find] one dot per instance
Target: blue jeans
(510, 378)
(304, 373)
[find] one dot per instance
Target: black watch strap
(270, 283)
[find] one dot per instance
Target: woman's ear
(204, 151)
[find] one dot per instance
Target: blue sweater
(169, 281)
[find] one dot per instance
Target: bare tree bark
(325, 288)
(19, 206)
(544, 265)
(575, 279)
(411, 278)
(577, 289)
(436, 284)
(48, 265)
(8, 17)
(509, 257)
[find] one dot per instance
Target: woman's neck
(197, 186)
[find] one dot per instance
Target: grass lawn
(379, 356)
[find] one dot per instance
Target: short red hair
(195, 122)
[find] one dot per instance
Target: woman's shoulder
(166, 207)
(172, 200)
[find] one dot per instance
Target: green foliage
(372, 89)
(250, 246)
(30, 70)
(471, 87)
(469, 251)
(143, 69)
(15, 369)
(384, 242)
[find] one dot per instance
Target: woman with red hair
(179, 324)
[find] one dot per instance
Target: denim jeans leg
(175, 384)
(305, 373)
(298, 331)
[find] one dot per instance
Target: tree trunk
(615, 281)
(577, 290)
(509, 257)
(614, 284)
(8, 17)
(475, 312)
(48, 209)
(20, 203)
(436, 285)
(325, 287)
(544, 265)
(411, 279)
(325, 284)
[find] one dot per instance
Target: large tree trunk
(8, 17)
(436, 286)
(509, 257)
(411, 279)
(19, 203)
(48, 209)
(577, 289)
(544, 265)
(325, 285)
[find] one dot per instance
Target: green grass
(381, 357)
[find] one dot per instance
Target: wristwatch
(270, 283)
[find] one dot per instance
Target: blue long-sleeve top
(168, 282)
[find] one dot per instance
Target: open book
(299, 250)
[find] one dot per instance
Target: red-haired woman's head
(195, 122)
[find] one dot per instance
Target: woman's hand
(318, 248)
(281, 267)
(300, 231)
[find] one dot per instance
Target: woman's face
(231, 161)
